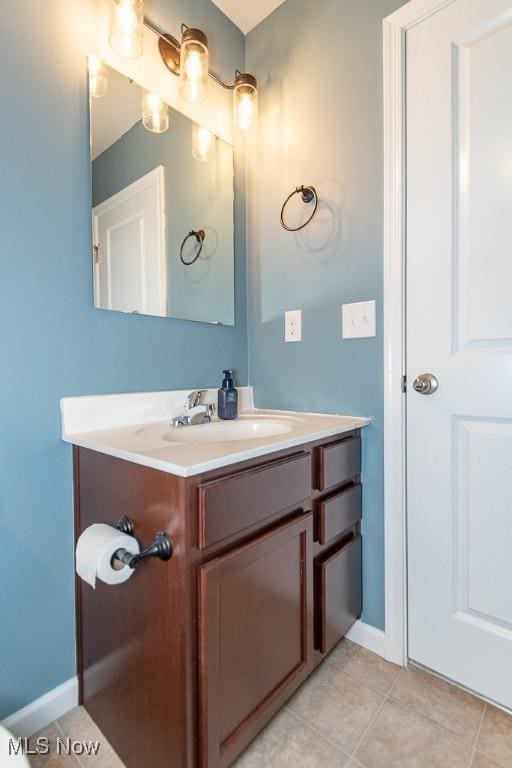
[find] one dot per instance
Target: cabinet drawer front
(339, 462)
(338, 594)
(255, 636)
(232, 504)
(338, 513)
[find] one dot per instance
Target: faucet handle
(196, 397)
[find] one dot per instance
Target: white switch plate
(358, 320)
(293, 325)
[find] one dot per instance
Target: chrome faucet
(199, 412)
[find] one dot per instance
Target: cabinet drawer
(339, 462)
(338, 594)
(338, 513)
(232, 504)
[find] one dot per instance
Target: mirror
(162, 215)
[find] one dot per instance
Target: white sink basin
(228, 431)
(138, 427)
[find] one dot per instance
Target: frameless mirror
(162, 209)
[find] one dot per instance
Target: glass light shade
(245, 104)
(127, 28)
(155, 113)
(194, 66)
(98, 81)
(203, 143)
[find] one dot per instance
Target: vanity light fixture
(203, 143)
(155, 113)
(98, 82)
(127, 28)
(188, 60)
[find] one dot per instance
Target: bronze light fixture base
(170, 52)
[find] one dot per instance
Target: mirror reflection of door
(129, 248)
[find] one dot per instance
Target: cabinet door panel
(255, 630)
(338, 594)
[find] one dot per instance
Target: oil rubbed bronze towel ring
(308, 195)
(199, 236)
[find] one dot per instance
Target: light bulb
(155, 113)
(245, 103)
(98, 82)
(245, 113)
(194, 66)
(203, 143)
(127, 28)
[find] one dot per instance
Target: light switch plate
(358, 320)
(293, 325)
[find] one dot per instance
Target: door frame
(395, 28)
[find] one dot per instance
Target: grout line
(65, 736)
(395, 681)
(436, 723)
(59, 728)
(475, 749)
(374, 718)
(477, 737)
(311, 727)
(363, 683)
(384, 696)
(102, 738)
(421, 713)
(358, 680)
(366, 730)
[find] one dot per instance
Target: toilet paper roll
(94, 551)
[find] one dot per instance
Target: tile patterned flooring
(356, 711)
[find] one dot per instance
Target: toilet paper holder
(161, 546)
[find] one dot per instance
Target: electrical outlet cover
(293, 325)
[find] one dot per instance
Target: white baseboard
(42, 711)
(369, 637)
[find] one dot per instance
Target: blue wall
(53, 343)
(319, 67)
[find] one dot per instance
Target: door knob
(426, 384)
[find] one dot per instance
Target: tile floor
(356, 711)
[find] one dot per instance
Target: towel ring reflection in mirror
(308, 195)
(200, 237)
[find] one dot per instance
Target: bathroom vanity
(184, 664)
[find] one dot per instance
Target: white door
(130, 253)
(459, 328)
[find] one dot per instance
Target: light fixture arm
(170, 49)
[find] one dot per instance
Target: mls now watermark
(59, 746)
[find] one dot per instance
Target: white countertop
(137, 428)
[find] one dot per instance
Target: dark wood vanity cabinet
(183, 665)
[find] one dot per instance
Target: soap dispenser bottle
(228, 398)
